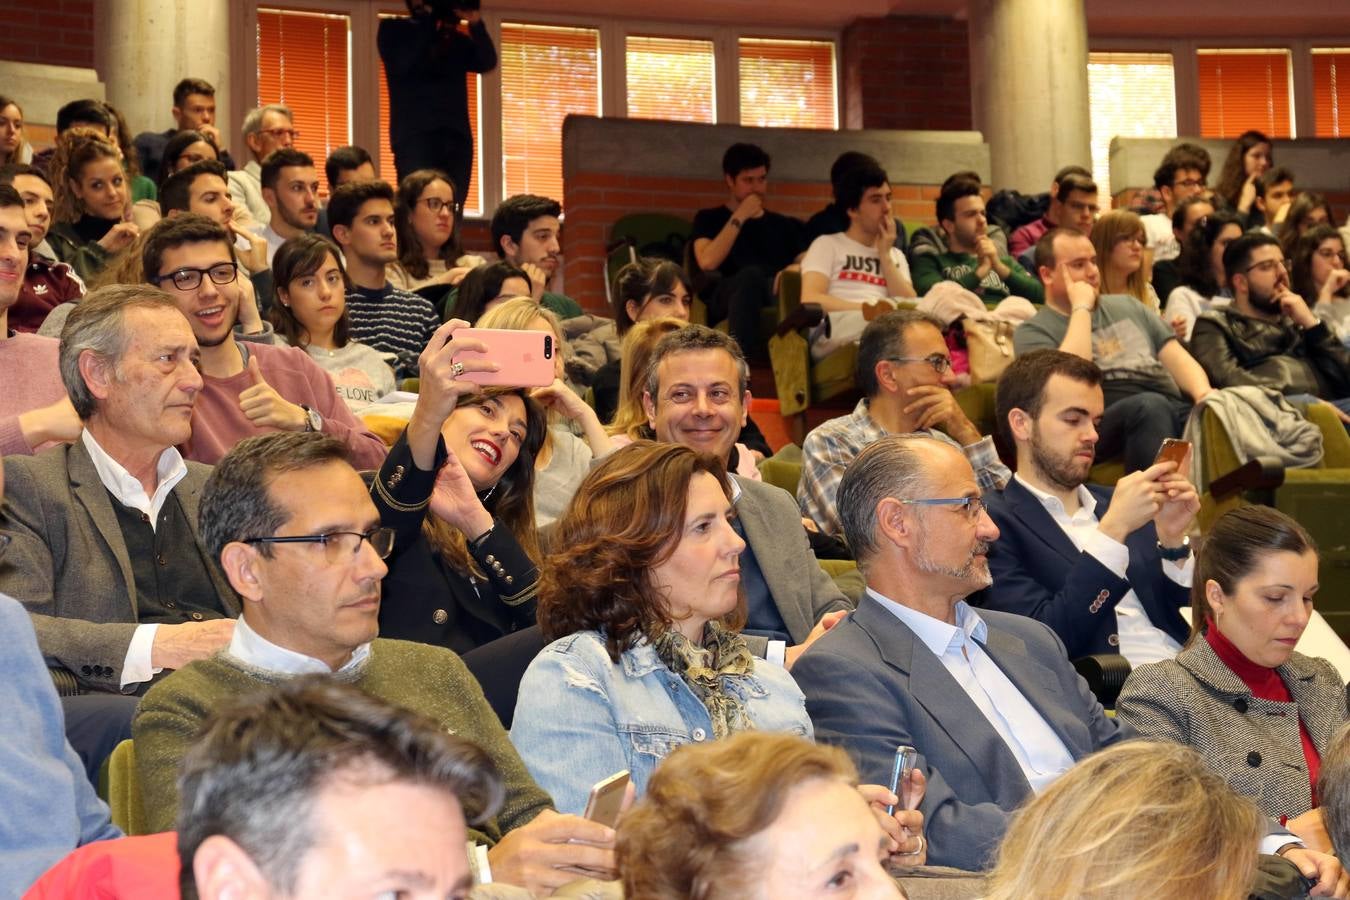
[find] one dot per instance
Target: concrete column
(1029, 86)
(145, 47)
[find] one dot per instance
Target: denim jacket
(581, 718)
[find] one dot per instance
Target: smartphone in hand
(1173, 450)
(525, 358)
(905, 758)
(606, 800)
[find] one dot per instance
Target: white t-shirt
(855, 274)
(1160, 237)
(854, 269)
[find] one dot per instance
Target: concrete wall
(612, 167)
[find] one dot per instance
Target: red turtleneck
(1265, 684)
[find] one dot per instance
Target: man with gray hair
(266, 129)
(104, 552)
(988, 699)
(697, 394)
(905, 373)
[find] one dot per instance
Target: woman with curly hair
(92, 219)
(643, 604)
(458, 490)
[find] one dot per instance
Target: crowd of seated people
(448, 631)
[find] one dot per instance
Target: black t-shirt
(770, 242)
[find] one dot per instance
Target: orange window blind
(788, 84)
(1245, 89)
(473, 203)
(671, 78)
(303, 64)
(1331, 78)
(547, 73)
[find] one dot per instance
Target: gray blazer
(872, 685)
(801, 589)
(68, 563)
(1254, 744)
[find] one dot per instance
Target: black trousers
(444, 149)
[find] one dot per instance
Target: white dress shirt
(252, 649)
(1039, 751)
(130, 492)
(1140, 640)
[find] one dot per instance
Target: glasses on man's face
(973, 506)
(339, 546)
(1266, 265)
(189, 279)
(280, 133)
(1189, 183)
(939, 362)
(436, 204)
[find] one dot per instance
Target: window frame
(364, 94)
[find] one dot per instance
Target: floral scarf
(724, 655)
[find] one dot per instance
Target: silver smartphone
(905, 758)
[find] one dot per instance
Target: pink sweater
(29, 379)
(218, 423)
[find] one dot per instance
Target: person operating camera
(426, 58)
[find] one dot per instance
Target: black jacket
(425, 69)
(1239, 350)
(426, 600)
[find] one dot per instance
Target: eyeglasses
(339, 546)
(1328, 253)
(1132, 239)
(973, 506)
(436, 204)
(939, 362)
(189, 279)
(1190, 183)
(1268, 265)
(279, 133)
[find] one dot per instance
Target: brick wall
(907, 72)
(595, 201)
(55, 32)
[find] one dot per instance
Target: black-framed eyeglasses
(973, 506)
(1268, 265)
(436, 204)
(189, 279)
(939, 362)
(339, 546)
(1189, 183)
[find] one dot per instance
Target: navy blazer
(872, 685)
(1038, 572)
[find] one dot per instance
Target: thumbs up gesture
(264, 407)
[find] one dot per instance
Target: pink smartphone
(525, 357)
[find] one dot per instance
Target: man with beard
(1269, 337)
(987, 698)
(972, 259)
(1107, 569)
(290, 188)
(248, 388)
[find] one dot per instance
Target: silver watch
(313, 421)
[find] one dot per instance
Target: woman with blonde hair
(630, 416)
(92, 216)
(13, 147)
(757, 815)
(563, 459)
(1140, 819)
(1119, 239)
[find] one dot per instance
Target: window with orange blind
(303, 64)
(547, 73)
(1331, 77)
(1244, 89)
(788, 83)
(671, 78)
(473, 203)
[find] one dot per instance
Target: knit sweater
(29, 371)
(419, 677)
(218, 423)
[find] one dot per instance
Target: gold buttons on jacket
(395, 477)
(440, 617)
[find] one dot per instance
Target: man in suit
(697, 394)
(1107, 569)
(105, 553)
(988, 699)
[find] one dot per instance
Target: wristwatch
(313, 421)
(737, 222)
(1176, 554)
